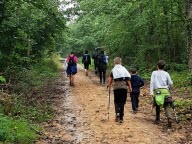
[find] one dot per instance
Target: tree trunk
(188, 14)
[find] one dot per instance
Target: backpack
(102, 59)
(86, 59)
(71, 61)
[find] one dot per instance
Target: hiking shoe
(121, 120)
(117, 117)
(157, 121)
(169, 124)
(134, 112)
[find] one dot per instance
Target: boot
(157, 119)
(117, 117)
(169, 124)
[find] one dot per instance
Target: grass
(16, 130)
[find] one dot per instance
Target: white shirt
(160, 79)
(120, 71)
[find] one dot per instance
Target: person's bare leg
(72, 79)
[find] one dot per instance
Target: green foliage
(2, 79)
(180, 79)
(29, 32)
(16, 131)
(140, 32)
(182, 103)
(176, 67)
(38, 75)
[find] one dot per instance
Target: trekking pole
(173, 107)
(176, 117)
(108, 102)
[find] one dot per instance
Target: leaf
(2, 79)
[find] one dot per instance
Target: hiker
(102, 67)
(95, 57)
(86, 61)
(107, 58)
(121, 79)
(71, 68)
(159, 88)
(136, 83)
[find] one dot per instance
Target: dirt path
(82, 117)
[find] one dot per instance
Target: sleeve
(75, 59)
(141, 82)
(67, 59)
(169, 81)
(152, 84)
(83, 59)
(89, 59)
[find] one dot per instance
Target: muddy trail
(81, 117)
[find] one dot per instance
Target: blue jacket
(136, 83)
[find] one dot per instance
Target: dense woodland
(34, 34)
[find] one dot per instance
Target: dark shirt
(136, 83)
(86, 59)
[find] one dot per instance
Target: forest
(35, 35)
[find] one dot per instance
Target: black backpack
(71, 61)
(86, 59)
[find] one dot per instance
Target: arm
(89, 59)
(75, 59)
(129, 86)
(83, 59)
(110, 81)
(169, 81)
(152, 84)
(141, 82)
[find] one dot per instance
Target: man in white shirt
(159, 85)
(120, 78)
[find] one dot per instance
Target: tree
(188, 15)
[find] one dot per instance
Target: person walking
(71, 67)
(95, 59)
(121, 79)
(159, 89)
(102, 67)
(86, 61)
(136, 83)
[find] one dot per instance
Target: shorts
(71, 70)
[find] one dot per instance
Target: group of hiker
(124, 82)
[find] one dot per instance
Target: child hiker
(136, 83)
(121, 79)
(159, 88)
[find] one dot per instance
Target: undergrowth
(22, 101)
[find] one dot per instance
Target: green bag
(160, 95)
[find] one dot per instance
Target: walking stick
(173, 107)
(108, 102)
